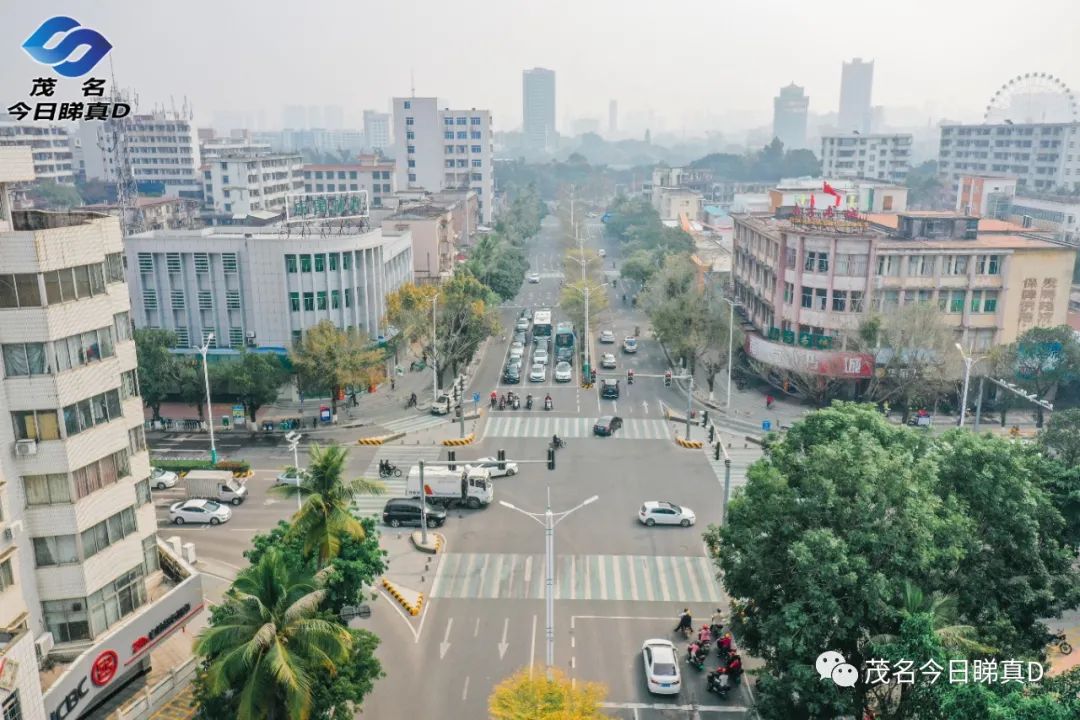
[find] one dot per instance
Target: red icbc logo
(104, 668)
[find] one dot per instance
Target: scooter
(696, 654)
(517, 403)
(719, 682)
(548, 405)
(528, 402)
(558, 443)
(502, 403)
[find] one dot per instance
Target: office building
(856, 87)
(377, 130)
(444, 149)
(243, 181)
(1043, 157)
(51, 147)
(83, 587)
(790, 108)
(368, 173)
(538, 108)
(878, 157)
(260, 286)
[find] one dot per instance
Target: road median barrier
(411, 600)
(379, 439)
(694, 444)
(453, 442)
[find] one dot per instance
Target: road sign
(766, 425)
(238, 415)
(476, 397)
(324, 413)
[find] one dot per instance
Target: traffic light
(716, 454)
(551, 457)
(712, 433)
(629, 377)
(667, 378)
(502, 459)
(705, 418)
(451, 456)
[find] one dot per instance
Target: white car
(533, 277)
(516, 353)
(563, 372)
(290, 476)
(661, 667)
(665, 513)
(607, 337)
(602, 252)
(517, 345)
(522, 324)
(607, 361)
(629, 344)
(161, 479)
(199, 511)
(538, 373)
(492, 466)
(540, 355)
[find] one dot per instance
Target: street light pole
(293, 438)
(550, 520)
(434, 359)
(209, 407)
(969, 361)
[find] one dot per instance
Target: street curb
(412, 608)
(380, 439)
(432, 548)
(452, 442)
(693, 444)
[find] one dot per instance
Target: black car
(512, 375)
(609, 389)
(406, 511)
(607, 425)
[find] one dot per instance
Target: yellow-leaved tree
(520, 697)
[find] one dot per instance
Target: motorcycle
(719, 682)
(1058, 640)
(548, 405)
(528, 402)
(517, 403)
(558, 443)
(696, 653)
(502, 403)
(386, 469)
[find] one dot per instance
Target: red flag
(827, 188)
(812, 201)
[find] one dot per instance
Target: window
(55, 550)
(807, 297)
(820, 298)
(114, 267)
(149, 300)
(36, 425)
(411, 149)
(990, 298)
(346, 261)
(136, 440)
(955, 265)
(461, 120)
(791, 257)
(202, 263)
(129, 384)
(78, 350)
(142, 492)
(7, 578)
(206, 300)
(178, 301)
(347, 292)
(96, 410)
(117, 600)
(385, 188)
(309, 301)
(477, 177)
(305, 263)
(172, 261)
(330, 187)
(47, 489)
(409, 121)
(921, 265)
(889, 300)
(474, 134)
(19, 291)
(839, 300)
(232, 299)
(333, 257)
(408, 104)
(856, 301)
(952, 302)
(816, 261)
(297, 337)
(102, 473)
(461, 149)
(789, 293)
(988, 265)
(412, 164)
(294, 301)
(107, 532)
(320, 300)
(888, 265)
(183, 339)
(335, 299)
(21, 359)
(448, 135)
(290, 263)
(146, 263)
(412, 178)
(236, 337)
(448, 150)
(477, 163)
(67, 619)
(228, 263)
(475, 148)
(150, 554)
(448, 163)
(320, 263)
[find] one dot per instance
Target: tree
(1061, 437)
(54, 196)
(499, 264)
(329, 359)
(638, 267)
(325, 517)
(255, 380)
(158, 368)
(266, 649)
(1042, 359)
(572, 302)
(520, 697)
(925, 190)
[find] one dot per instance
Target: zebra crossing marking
(412, 424)
(574, 427)
(400, 455)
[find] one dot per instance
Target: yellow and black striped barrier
(372, 440)
(467, 440)
(695, 444)
(412, 608)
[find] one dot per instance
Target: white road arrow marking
(445, 644)
(645, 406)
(504, 645)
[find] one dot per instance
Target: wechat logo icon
(831, 665)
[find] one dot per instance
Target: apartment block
(250, 182)
(1043, 157)
(368, 173)
(877, 157)
(50, 145)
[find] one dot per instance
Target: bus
(541, 326)
(564, 342)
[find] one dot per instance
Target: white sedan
(563, 372)
(607, 361)
(199, 511)
(538, 373)
(665, 513)
(161, 479)
(533, 277)
(290, 476)
(540, 355)
(492, 466)
(607, 337)
(661, 667)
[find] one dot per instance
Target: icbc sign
(104, 668)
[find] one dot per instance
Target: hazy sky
(687, 61)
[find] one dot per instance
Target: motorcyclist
(528, 402)
(686, 623)
(716, 622)
(494, 398)
(556, 441)
(547, 402)
(734, 667)
(724, 645)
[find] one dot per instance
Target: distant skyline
(938, 60)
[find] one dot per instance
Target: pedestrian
(393, 385)
(314, 423)
(686, 623)
(769, 402)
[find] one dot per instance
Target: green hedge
(185, 465)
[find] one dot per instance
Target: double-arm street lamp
(969, 362)
(209, 408)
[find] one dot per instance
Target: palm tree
(326, 515)
(269, 644)
(943, 612)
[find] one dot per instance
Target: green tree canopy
(1042, 359)
(255, 380)
(330, 359)
(158, 368)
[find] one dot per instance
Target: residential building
(1043, 157)
(538, 108)
(368, 173)
(855, 155)
(444, 149)
(51, 148)
(860, 194)
(153, 213)
(856, 89)
(161, 149)
(677, 202)
(1057, 215)
(250, 182)
(431, 229)
(984, 195)
(377, 130)
(806, 285)
(81, 576)
(790, 108)
(260, 286)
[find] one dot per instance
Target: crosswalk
(573, 427)
(413, 423)
(741, 460)
(490, 576)
(404, 457)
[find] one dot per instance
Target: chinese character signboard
(307, 207)
(813, 362)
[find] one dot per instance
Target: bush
(237, 467)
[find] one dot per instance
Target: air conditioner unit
(43, 645)
(76, 607)
(250, 334)
(24, 448)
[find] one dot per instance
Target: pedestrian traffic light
(667, 378)
(451, 456)
(716, 455)
(551, 457)
(502, 459)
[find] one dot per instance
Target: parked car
(492, 466)
(199, 511)
(161, 479)
(654, 512)
(538, 373)
(607, 425)
(661, 667)
(629, 344)
(607, 337)
(533, 277)
(540, 355)
(607, 361)
(609, 389)
(290, 476)
(517, 346)
(563, 372)
(406, 511)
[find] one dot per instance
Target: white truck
(217, 485)
(472, 488)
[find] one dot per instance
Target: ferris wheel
(1034, 97)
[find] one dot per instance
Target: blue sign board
(324, 413)
(766, 425)
(476, 397)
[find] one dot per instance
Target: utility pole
(209, 408)
(434, 357)
(689, 400)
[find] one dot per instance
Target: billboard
(830, 363)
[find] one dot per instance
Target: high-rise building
(856, 86)
(82, 582)
(377, 129)
(1041, 156)
(613, 117)
(789, 116)
(538, 108)
(51, 147)
(877, 157)
(444, 149)
(243, 180)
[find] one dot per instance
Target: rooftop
(989, 242)
(986, 225)
(419, 212)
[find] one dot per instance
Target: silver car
(540, 355)
(563, 372)
(538, 373)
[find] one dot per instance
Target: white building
(879, 157)
(856, 89)
(538, 108)
(368, 173)
(80, 571)
(262, 287)
(246, 183)
(51, 147)
(377, 129)
(162, 150)
(1043, 157)
(1057, 215)
(444, 149)
(790, 109)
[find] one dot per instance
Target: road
(618, 582)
